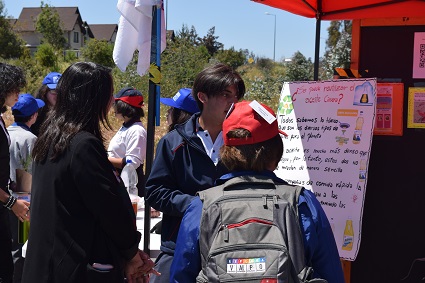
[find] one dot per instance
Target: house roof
(103, 31)
(69, 16)
(11, 21)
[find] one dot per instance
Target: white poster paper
(419, 55)
(330, 127)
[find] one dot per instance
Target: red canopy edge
(350, 9)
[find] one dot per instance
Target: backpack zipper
(225, 227)
(274, 198)
(256, 246)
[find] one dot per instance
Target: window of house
(76, 37)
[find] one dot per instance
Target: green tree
(338, 47)
(181, 61)
(48, 23)
(11, 46)
(232, 57)
(99, 51)
(46, 55)
(131, 78)
(186, 36)
(300, 68)
(180, 64)
(211, 43)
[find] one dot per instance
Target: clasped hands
(139, 268)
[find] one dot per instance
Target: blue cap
(51, 80)
(26, 105)
(183, 100)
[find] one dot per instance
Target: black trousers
(6, 262)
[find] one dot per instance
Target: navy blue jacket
(180, 169)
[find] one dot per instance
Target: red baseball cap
(243, 116)
(130, 96)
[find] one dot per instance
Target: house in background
(106, 32)
(75, 30)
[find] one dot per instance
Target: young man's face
(216, 108)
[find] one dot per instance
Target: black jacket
(80, 214)
(180, 169)
(4, 159)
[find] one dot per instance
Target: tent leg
(317, 50)
(152, 114)
(346, 267)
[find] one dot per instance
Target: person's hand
(138, 269)
(155, 213)
(148, 264)
(21, 208)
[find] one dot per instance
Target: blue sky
(238, 23)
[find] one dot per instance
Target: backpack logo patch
(246, 265)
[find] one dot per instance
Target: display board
(330, 128)
(389, 109)
(416, 108)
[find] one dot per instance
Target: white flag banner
(134, 33)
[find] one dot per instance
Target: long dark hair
(84, 94)
(12, 79)
(42, 112)
(178, 116)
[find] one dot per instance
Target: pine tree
(300, 68)
(11, 45)
(338, 47)
(49, 25)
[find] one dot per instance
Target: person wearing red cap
(186, 159)
(129, 143)
(252, 150)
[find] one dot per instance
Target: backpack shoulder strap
(290, 193)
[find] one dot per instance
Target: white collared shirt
(211, 148)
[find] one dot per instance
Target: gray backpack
(250, 233)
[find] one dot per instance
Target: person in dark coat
(12, 79)
(186, 159)
(83, 227)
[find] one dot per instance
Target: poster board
(419, 55)
(389, 109)
(416, 108)
(330, 128)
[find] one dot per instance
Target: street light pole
(274, 39)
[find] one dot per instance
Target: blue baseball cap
(51, 80)
(26, 105)
(183, 100)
